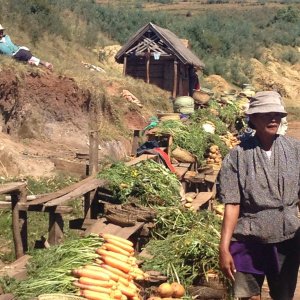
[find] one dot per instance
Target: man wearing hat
(260, 185)
(21, 53)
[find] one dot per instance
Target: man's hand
(226, 264)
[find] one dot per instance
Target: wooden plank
(11, 187)
(211, 178)
(140, 158)
(180, 171)
(61, 192)
(38, 207)
(7, 297)
(96, 227)
(16, 269)
(201, 198)
(87, 187)
(186, 165)
(126, 232)
(70, 167)
(101, 226)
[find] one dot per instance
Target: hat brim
(269, 109)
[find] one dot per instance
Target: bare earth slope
(45, 115)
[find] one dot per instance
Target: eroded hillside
(45, 115)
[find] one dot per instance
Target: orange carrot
(123, 281)
(91, 281)
(81, 272)
(123, 266)
(107, 236)
(137, 273)
(114, 248)
(98, 261)
(92, 295)
(123, 246)
(127, 291)
(137, 276)
(94, 288)
(115, 271)
(128, 283)
(113, 276)
(116, 294)
(118, 256)
(93, 267)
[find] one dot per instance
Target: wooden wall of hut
(161, 73)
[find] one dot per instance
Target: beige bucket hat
(266, 102)
(1, 27)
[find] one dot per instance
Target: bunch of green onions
(49, 271)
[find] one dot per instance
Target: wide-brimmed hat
(266, 102)
(1, 27)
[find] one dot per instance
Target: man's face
(1, 33)
(266, 123)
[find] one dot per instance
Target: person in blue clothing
(20, 53)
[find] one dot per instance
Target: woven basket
(168, 116)
(201, 97)
(58, 297)
(183, 155)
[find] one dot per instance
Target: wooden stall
(159, 57)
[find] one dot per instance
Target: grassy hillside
(224, 34)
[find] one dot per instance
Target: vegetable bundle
(148, 182)
(186, 248)
(112, 274)
(49, 271)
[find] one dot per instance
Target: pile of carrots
(112, 275)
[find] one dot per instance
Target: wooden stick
(175, 79)
(125, 65)
(148, 67)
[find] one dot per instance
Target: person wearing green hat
(259, 183)
(20, 53)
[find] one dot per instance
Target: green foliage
(38, 17)
(288, 14)
(46, 185)
(291, 56)
(218, 37)
(186, 247)
(49, 271)
(147, 182)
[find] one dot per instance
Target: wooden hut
(159, 57)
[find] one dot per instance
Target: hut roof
(163, 36)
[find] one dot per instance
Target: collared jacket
(267, 189)
(7, 47)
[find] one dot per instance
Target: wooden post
(56, 225)
(135, 142)
(148, 66)
(125, 65)
(19, 249)
(175, 79)
(89, 205)
(93, 152)
(23, 219)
